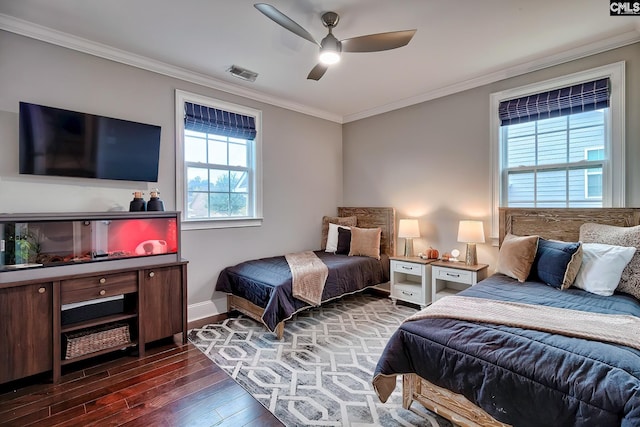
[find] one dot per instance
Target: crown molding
(48, 35)
(59, 38)
(600, 46)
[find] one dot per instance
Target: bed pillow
(365, 242)
(348, 221)
(332, 237)
(344, 241)
(602, 267)
(516, 256)
(557, 263)
(618, 236)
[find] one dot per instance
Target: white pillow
(332, 237)
(602, 267)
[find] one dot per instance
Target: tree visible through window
(218, 160)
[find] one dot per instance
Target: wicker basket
(96, 339)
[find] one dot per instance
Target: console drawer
(105, 285)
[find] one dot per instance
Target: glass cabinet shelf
(73, 243)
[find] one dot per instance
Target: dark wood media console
(145, 296)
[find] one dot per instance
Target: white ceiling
(459, 43)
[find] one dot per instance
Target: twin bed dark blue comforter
(266, 282)
(525, 377)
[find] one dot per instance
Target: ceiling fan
(330, 46)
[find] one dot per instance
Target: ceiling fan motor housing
(330, 19)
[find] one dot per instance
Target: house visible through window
(560, 143)
(545, 164)
(219, 162)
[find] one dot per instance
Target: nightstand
(450, 277)
(410, 279)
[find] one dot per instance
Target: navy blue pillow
(557, 263)
(344, 241)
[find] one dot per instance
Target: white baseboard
(200, 310)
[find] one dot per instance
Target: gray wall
(432, 160)
(302, 157)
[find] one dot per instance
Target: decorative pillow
(557, 263)
(602, 267)
(516, 256)
(348, 221)
(365, 242)
(344, 241)
(332, 237)
(618, 236)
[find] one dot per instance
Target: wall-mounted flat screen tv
(60, 142)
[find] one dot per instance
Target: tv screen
(60, 142)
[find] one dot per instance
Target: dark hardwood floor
(173, 385)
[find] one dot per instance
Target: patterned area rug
(320, 373)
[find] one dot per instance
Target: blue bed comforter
(525, 377)
(266, 282)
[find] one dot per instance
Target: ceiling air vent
(243, 73)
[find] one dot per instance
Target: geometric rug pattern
(320, 373)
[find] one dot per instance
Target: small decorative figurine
(137, 204)
(155, 204)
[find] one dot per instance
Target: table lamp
(471, 232)
(407, 230)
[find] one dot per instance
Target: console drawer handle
(408, 293)
(407, 268)
(103, 280)
(102, 292)
(453, 275)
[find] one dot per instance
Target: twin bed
(490, 374)
(262, 288)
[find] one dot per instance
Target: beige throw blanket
(612, 328)
(309, 274)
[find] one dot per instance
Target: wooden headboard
(385, 218)
(562, 223)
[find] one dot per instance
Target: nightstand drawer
(454, 275)
(409, 293)
(407, 267)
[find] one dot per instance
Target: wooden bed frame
(558, 224)
(385, 218)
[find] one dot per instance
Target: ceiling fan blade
(280, 18)
(317, 72)
(377, 42)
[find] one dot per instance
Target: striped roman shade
(212, 120)
(579, 98)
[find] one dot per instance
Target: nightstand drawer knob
(42, 290)
(102, 292)
(103, 280)
(151, 274)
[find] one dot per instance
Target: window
(593, 176)
(218, 162)
(560, 143)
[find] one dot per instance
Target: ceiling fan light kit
(331, 47)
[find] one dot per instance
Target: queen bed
(262, 288)
(498, 371)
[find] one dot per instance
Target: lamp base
(471, 258)
(408, 247)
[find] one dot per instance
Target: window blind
(582, 97)
(200, 118)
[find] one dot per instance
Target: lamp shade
(408, 228)
(471, 231)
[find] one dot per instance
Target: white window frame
(588, 173)
(255, 175)
(613, 174)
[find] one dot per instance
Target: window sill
(221, 223)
